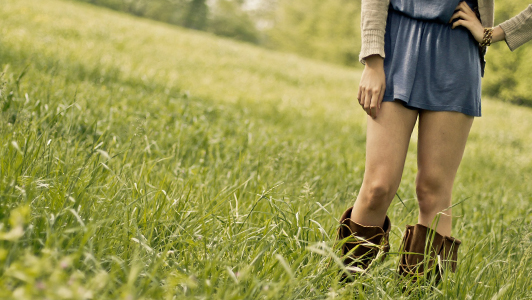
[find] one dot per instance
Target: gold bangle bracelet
(488, 36)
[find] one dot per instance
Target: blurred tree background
(327, 30)
(322, 29)
(509, 74)
(228, 18)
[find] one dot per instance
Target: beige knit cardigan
(518, 30)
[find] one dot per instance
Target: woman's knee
(377, 196)
(433, 192)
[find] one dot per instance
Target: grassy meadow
(143, 161)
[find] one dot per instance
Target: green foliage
(224, 18)
(144, 161)
(508, 74)
(229, 20)
(196, 17)
(326, 30)
(179, 12)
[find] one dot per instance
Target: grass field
(143, 161)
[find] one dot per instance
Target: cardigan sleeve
(373, 23)
(518, 30)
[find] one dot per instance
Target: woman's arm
(373, 81)
(516, 31)
(373, 23)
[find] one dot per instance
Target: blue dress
(429, 65)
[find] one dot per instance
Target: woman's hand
(468, 19)
(372, 85)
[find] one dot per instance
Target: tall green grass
(143, 161)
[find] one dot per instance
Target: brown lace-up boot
(425, 250)
(364, 242)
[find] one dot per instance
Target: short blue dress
(429, 65)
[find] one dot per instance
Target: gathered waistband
(439, 11)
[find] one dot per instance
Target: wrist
(498, 34)
(492, 35)
(374, 61)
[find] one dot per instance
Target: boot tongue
(371, 233)
(422, 233)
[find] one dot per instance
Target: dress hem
(415, 105)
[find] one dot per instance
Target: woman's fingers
(463, 11)
(371, 99)
(460, 23)
(374, 105)
(463, 6)
(461, 15)
(367, 101)
(381, 96)
(466, 7)
(466, 17)
(456, 15)
(362, 96)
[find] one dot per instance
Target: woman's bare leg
(441, 143)
(387, 141)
